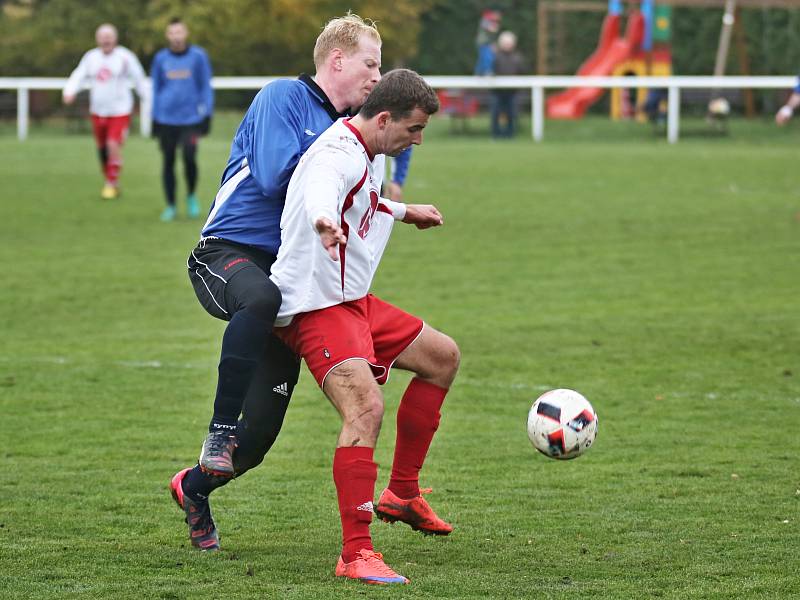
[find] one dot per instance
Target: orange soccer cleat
(416, 512)
(369, 568)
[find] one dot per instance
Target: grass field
(661, 281)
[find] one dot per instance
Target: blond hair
(343, 33)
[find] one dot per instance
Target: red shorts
(368, 329)
(110, 129)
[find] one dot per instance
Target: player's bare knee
(356, 396)
(451, 362)
(445, 359)
(361, 421)
(366, 413)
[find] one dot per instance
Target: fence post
(673, 113)
(22, 112)
(537, 112)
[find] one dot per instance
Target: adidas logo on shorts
(282, 389)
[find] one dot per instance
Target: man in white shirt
(334, 229)
(109, 71)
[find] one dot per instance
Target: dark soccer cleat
(202, 530)
(415, 512)
(369, 568)
(216, 455)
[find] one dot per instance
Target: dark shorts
(170, 136)
(226, 275)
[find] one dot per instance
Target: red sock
(355, 473)
(417, 421)
(113, 167)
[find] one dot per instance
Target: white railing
(536, 85)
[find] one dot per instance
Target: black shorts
(226, 276)
(170, 136)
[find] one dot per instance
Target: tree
(243, 37)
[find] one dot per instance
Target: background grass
(660, 281)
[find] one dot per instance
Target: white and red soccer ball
(562, 424)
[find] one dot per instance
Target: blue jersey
(284, 119)
(182, 93)
(400, 166)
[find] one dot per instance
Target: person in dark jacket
(507, 61)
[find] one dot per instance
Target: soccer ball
(719, 108)
(562, 424)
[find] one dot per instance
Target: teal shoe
(168, 214)
(192, 206)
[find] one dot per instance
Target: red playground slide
(610, 52)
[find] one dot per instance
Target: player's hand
(394, 191)
(331, 235)
(205, 126)
(69, 98)
(784, 114)
(423, 216)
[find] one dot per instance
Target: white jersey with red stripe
(109, 78)
(337, 178)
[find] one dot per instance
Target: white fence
(536, 84)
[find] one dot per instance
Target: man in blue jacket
(230, 266)
(183, 102)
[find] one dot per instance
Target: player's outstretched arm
(331, 235)
(423, 216)
(77, 79)
(787, 110)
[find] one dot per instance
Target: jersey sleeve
(397, 209)
(275, 144)
(77, 79)
(204, 75)
(333, 173)
(137, 76)
(157, 80)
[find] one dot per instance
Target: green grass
(661, 281)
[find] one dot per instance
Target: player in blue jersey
(229, 268)
(397, 175)
(183, 102)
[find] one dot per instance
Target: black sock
(102, 154)
(197, 484)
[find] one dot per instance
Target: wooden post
(542, 37)
(544, 9)
(744, 63)
(728, 19)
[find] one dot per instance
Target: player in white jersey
(338, 165)
(109, 71)
(334, 230)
